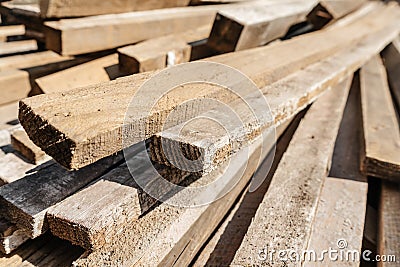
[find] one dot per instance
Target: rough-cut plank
(163, 233)
(251, 26)
(29, 60)
(21, 143)
(284, 219)
(381, 129)
(93, 72)
(389, 223)
(330, 10)
(11, 30)
(285, 98)
(69, 127)
(17, 47)
(391, 56)
(89, 217)
(110, 31)
(343, 201)
(43, 251)
(78, 8)
(10, 237)
(50, 186)
(8, 116)
(221, 247)
(161, 52)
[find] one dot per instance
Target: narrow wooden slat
(389, 224)
(381, 129)
(11, 30)
(391, 56)
(21, 143)
(17, 47)
(285, 98)
(247, 27)
(161, 52)
(10, 237)
(88, 107)
(50, 186)
(89, 73)
(77, 8)
(8, 115)
(342, 205)
(289, 205)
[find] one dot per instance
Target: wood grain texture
(342, 205)
(289, 206)
(381, 129)
(91, 216)
(71, 126)
(111, 31)
(10, 237)
(11, 30)
(51, 185)
(388, 225)
(158, 53)
(172, 235)
(285, 98)
(21, 143)
(77, 8)
(247, 27)
(96, 71)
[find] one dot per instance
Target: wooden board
(288, 213)
(50, 186)
(85, 117)
(388, 225)
(341, 210)
(8, 116)
(17, 47)
(391, 57)
(163, 234)
(43, 251)
(21, 143)
(109, 203)
(246, 27)
(11, 30)
(381, 129)
(161, 52)
(111, 31)
(77, 8)
(29, 60)
(10, 237)
(285, 98)
(89, 73)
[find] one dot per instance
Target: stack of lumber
(80, 161)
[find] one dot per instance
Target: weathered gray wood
(89, 217)
(10, 237)
(285, 98)
(381, 129)
(50, 186)
(389, 223)
(77, 8)
(391, 56)
(21, 143)
(164, 232)
(288, 213)
(89, 73)
(161, 52)
(70, 130)
(246, 27)
(342, 205)
(17, 47)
